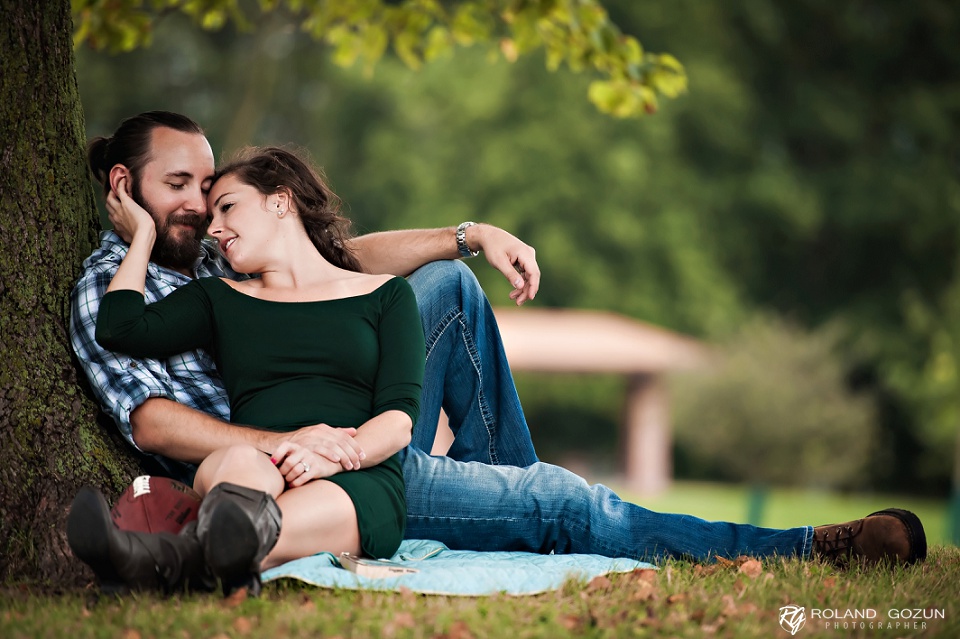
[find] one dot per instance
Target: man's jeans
(491, 493)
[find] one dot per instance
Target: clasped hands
(315, 452)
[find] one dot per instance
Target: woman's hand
(299, 465)
(128, 217)
(338, 445)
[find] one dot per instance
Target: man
(490, 492)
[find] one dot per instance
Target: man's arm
(402, 252)
(165, 427)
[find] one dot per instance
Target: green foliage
(775, 409)
(575, 32)
(811, 173)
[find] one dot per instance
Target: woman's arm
(396, 396)
(136, 222)
(177, 323)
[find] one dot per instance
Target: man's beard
(169, 250)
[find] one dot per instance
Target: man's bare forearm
(164, 427)
(403, 252)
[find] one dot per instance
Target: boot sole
(230, 547)
(89, 528)
(918, 538)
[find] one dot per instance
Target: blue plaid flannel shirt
(123, 383)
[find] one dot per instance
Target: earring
(280, 212)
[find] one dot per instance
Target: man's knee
(444, 278)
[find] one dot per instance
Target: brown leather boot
(892, 535)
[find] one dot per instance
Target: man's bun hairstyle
(130, 143)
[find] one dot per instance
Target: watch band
(462, 241)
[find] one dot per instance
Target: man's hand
(509, 255)
(335, 444)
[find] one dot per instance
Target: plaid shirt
(123, 383)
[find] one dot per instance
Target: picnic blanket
(458, 572)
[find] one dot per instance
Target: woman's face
(243, 223)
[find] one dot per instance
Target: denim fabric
(511, 501)
(466, 371)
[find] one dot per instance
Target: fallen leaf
(726, 563)
(830, 582)
(645, 574)
(460, 630)
(650, 621)
(751, 568)
(242, 625)
(404, 620)
(677, 597)
(236, 598)
(571, 622)
(645, 592)
(739, 587)
(599, 582)
(702, 570)
(729, 607)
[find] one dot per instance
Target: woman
(311, 340)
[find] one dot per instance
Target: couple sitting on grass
(304, 370)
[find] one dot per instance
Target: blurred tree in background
(774, 409)
(812, 173)
(49, 218)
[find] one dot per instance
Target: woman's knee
(241, 464)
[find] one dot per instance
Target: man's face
(172, 188)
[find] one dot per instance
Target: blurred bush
(775, 408)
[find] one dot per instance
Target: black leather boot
(125, 560)
(237, 527)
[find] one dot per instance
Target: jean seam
(807, 542)
(488, 422)
(439, 329)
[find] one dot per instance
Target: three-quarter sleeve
(180, 322)
(400, 374)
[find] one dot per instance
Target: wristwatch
(462, 241)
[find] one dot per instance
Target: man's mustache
(199, 222)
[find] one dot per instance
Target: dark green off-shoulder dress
(292, 364)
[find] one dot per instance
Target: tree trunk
(49, 434)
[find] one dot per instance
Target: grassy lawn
(681, 599)
(788, 507)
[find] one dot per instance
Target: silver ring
(306, 467)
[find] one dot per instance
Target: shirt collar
(209, 261)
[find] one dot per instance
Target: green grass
(788, 507)
(681, 599)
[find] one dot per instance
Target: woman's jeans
(491, 493)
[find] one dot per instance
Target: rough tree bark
(49, 435)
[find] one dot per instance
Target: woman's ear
(119, 172)
(282, 201)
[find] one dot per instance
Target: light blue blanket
(459, 572)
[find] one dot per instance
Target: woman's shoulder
(390, 284)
